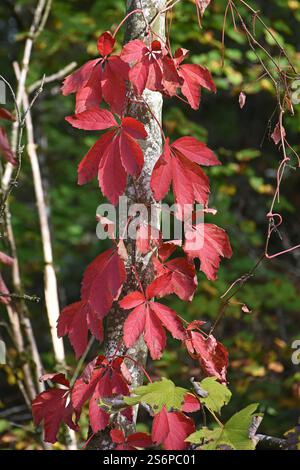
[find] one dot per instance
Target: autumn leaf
(5, 149)
(149, 318)
(146, 65)
(5, 114)
(76, 320)
(104, 380)
(115, 155)
(208, 243)
(179, 166)
(102, 78)
(101, 285)
(171, 429)
(138, 440)
(212, 355)
(176, 276)
(194, 77)
(53, 407)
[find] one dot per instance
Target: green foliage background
(260, 344)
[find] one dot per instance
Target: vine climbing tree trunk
(148, 110)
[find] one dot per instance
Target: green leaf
(234, 434)
(218, 394)
(159, 394)
(4, 425)
(2, 352)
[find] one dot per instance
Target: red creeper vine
(114, 81)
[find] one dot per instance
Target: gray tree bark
(138, 192)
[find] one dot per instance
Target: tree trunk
(138, 192)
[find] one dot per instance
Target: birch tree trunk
(137, 192)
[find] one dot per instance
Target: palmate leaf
(234, 434)
(218, 394)
(158, 395)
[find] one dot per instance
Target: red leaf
(147, 237)
(99, 78)
(53, 407)
(75, 321)
(89, 165)
(194, 77)
(79, 78)
(5, 259)
(208, 243)
(56, 378)
(212, 355)
(5, 149)
(191, 404)
(106, 380)
(133, 441)
(131, 154)
(176, 276)
(171, 80)
(132, 300)
(134, 128)
(276, 135)
(146, 71)
(110, 167)
(133, 51)
(195, 151)
(103, 281)
(114, 85)
(105, 43)
(5, 114)
(149, 318)
(171, 429)
(90, 96)
(116, 153)
(167, 248)
(140, 439)
(190, 184)
(93, 120)
(117, 436)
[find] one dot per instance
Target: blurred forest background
(259, 343)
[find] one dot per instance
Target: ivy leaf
(158, 395)
(218, 394)
(235, 433)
